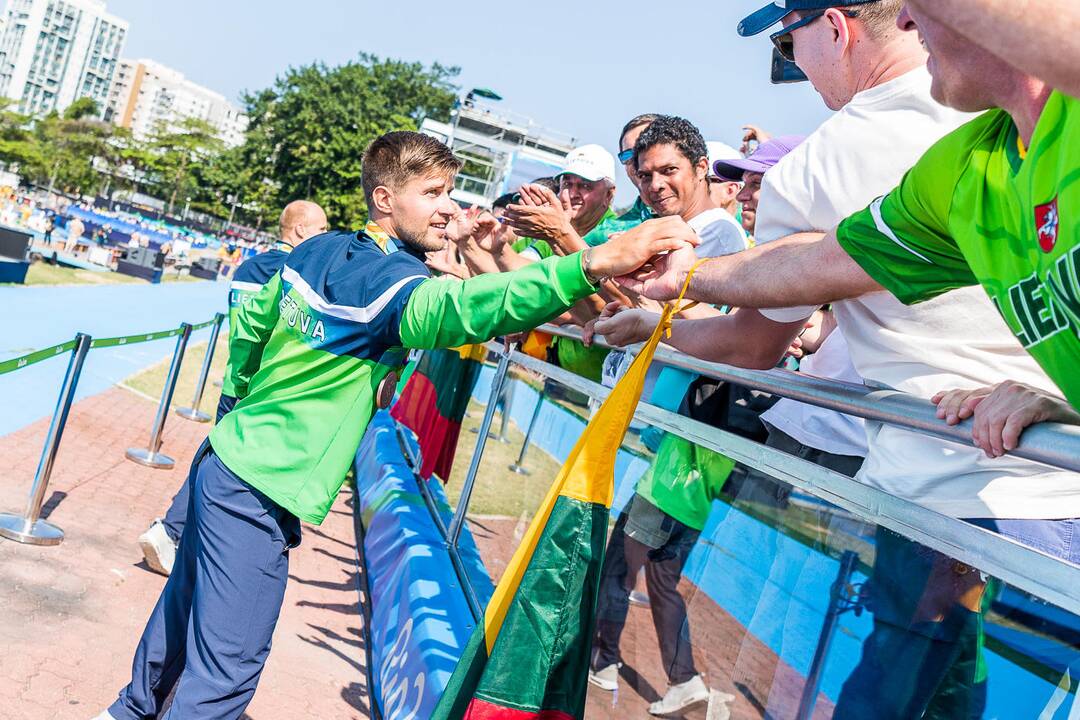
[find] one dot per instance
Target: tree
(70, 151)
(81, 109)
(18, 146)
(307, 132)
(175, 150)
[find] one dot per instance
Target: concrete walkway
(72, 614)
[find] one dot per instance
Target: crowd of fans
(907, 243)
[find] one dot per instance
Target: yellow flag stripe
(588, 474)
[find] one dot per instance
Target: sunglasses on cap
(626, 156)
(785, 43)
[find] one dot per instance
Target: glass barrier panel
(727, 587)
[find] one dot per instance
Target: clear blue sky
(581, 67)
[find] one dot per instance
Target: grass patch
(151, 380)
(498, 491)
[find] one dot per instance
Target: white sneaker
(680, 697)
(606, 678)
(158, 548)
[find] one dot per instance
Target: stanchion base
(193, 415)
(15, 527)
(476, 431)
(519, 469)
(150, 459)
(639, 598)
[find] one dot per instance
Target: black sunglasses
(626, 156)
(785, 44)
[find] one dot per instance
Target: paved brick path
(70, 616)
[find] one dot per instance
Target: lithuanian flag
(529, 658)
(434, 401)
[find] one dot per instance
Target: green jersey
(341, 313)
(977, 209)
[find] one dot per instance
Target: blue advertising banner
(420, 619)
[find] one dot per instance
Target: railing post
(193, 413)
(519, 464)
(454, 531)
(150, 456)
(838, 605)
(29, 528)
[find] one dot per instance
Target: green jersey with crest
(978, 209)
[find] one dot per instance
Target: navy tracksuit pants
(210, 632)
(176, 515)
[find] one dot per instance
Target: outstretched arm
(447, 313)
(744, 338)
(1019, 33)
(803, 269)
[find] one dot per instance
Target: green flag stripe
(540, 660)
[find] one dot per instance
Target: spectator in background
(75, 230)
(751, 171)
(50, 225)
(639, 211)
(673, 175)
(724, 192)
(586, 190)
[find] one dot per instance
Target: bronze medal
(384, 396)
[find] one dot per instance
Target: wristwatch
(586, 266)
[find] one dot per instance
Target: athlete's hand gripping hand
(644, 257)
(1001, 413)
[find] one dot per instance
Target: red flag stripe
(482, 710)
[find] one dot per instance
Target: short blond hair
(879, 18)
(391, 160)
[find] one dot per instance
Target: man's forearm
(744, 338)
(1018, 32)
(447, 314)
(803, 269)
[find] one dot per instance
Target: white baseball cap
(720, 151)
(590, 162)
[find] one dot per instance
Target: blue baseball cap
(774, 12)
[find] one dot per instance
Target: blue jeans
(176, 515)
(209, 634)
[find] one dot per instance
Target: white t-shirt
(957, 340)
(816, 427)
(720, 233)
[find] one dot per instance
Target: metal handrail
(1047, 577)
(1053, 444)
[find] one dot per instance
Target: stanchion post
(519, 464)
(29, 528)
(193, 413)
(458, 521)
(150, 456)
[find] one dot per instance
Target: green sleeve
(249, 330)
(903, 240)
(448, 313)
